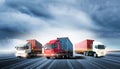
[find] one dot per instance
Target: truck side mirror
(15, 47)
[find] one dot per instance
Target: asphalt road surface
(110, 61)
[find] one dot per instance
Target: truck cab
(23, 49)
(29, 48)
(51, 49)
(99, 49)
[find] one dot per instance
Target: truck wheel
(95, 55)
(48, 57)
(85, 53)
(70, 56)
(67, 56)
(18, 56)
(63, 56)
(28, 56)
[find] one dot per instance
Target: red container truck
(58, 48)
(29, 48)
(90, 48)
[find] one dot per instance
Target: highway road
(110, 61)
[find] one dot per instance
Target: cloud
(73, 16)
(18, 24)
(2, 2)
(47, 19)
(33, 8)
(106, 16)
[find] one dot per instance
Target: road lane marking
(19, 63)
(45, 63)
(35, 64)
(49, 67)
(69, 64)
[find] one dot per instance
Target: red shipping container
(83, 46)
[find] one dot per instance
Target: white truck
(28, 48)
(90, 48)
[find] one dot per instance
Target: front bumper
(52, 55)
(21, 55)
(101, 54)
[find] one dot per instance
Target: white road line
(110, 62)
(20, 63)
(10, 66)
(102, 60)
(84, 63)
(49, 67)
(35, 64)
(98, 65)
(69, 64)
(42, 65)
(34, 60)
(116, 61)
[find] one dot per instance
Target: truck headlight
(52, 54)
(25, 55)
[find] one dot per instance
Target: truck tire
(63, 56)
(84, 53)
(18, 56)
(48, 57)
(71, 56)
(87, 53)
(95, 55)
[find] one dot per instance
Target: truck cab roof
(52, 41)
(22, 44)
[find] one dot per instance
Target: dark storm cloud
(106, 15)
(109, 21)
(21, 17)
(12, 31)
(33, 8)
(15, 25)
(18, 18)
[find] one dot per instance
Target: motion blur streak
(110, 61)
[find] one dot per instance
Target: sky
(45, 20)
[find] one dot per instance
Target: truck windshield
(100, 47)
(22, 48)
(51, 46)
